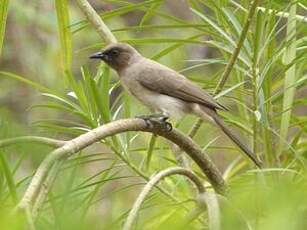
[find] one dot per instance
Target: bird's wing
(161, 79)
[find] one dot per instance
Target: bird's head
(118, 56)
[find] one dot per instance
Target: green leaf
(151, 147)
(226, 91)
(215, 27)
(149, 14)
(28, 82)
(290, 77)
(171, 48)
(3, 16)
(78, 90)
(9, 176)
(62, 12)
(159, 27)
(103, 94)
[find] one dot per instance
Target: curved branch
(34, 139)
(155, 180)
(45, 188)
(101, 28)
(210, 200)
(113, 128)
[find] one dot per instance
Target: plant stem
(9, 178)
(91, 15)
(155, 180)
(267, 91)
(236, 52)
(289, 91)
(255, 109)
(3, 17)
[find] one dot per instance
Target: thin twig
(113, 128)
(195, 127)
(155, 180)
(101, 28)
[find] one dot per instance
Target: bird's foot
(158, 121)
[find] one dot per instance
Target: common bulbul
(163, 90)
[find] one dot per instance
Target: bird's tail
(219, 121)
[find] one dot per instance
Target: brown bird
(163, 90)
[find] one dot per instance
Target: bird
(165, 91)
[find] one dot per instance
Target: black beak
(98, 55)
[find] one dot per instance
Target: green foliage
(65, 36)
(289, 56)
(96, 187)
(3, 15)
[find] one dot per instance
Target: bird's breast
(174, 107)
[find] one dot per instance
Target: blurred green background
(49, 88)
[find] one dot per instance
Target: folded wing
(166, 81)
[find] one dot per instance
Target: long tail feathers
(236, 140)
(219, 121)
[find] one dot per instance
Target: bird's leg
(157, 120)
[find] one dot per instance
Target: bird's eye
(115, 52)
